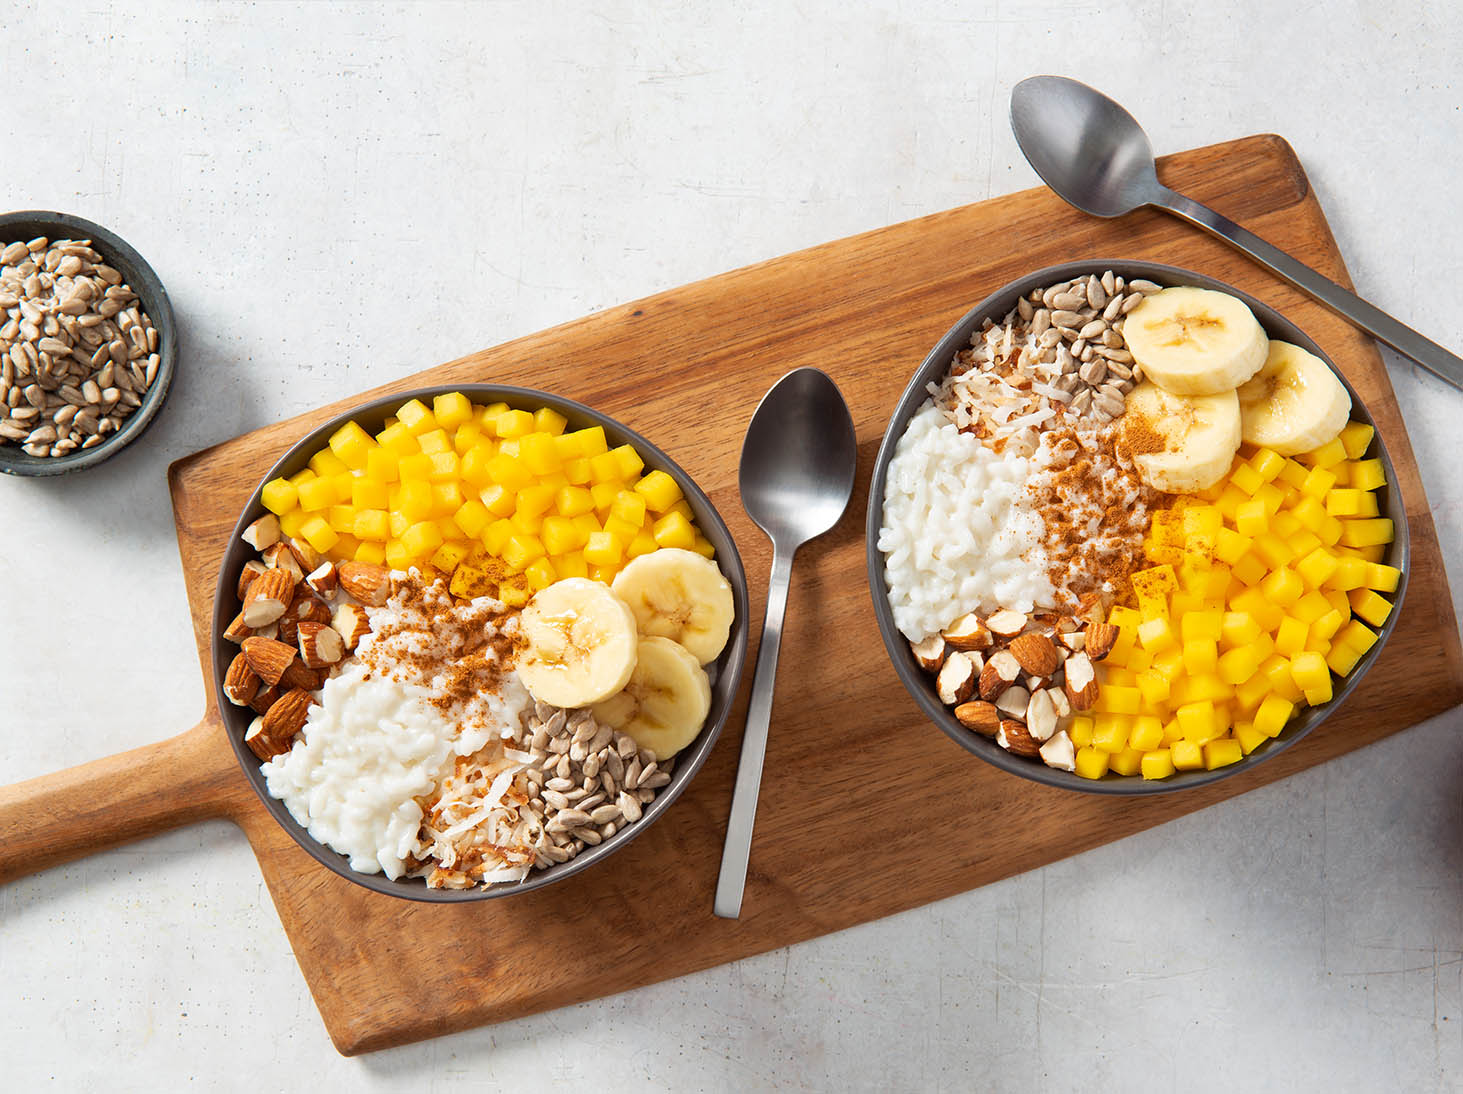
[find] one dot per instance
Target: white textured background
(338, 195)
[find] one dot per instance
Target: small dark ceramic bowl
(154, 299)
(921, 685)
(725, 672)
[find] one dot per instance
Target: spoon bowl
(798, 459)
(1086, 147)
(796, 476)
(1095, 156)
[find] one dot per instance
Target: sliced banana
(1295, 402)
(679, 595)
(666, 701)
(1181, 443)
(581, 643)
(1193, 341)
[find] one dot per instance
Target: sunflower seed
(629, 806)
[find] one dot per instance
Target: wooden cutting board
(851, 764)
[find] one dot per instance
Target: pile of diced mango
(446, 487)
(1260, 592)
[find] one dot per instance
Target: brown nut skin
(980, 716)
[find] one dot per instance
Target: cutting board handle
(56, 818)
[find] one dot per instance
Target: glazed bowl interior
(154, 300)
(921, 685)
(725, 672)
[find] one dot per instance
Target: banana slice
(679, 595)
(581, 643)
(1195, 341)
(1181, 443)
(666, 701)
(1294, 404)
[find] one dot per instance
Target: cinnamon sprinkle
(460, 649)
(1095, 508)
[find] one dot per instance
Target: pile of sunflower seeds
(1059, 351)
(77, 353)
(585, 781)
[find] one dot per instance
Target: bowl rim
(152, 294)
(916, 681)
(725, 683)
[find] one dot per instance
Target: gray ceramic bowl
(921, 685)
(135, 273)
(725, 673)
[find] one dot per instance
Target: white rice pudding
(959, 533)
(431, 683)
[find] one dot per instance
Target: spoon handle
(1348, 305)
(733, 878)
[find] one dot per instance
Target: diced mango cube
(369, 494)
(1274, 712)
(436, 440)
(448, 556)
(1355, 438)
(372, 524)
(1186, 755)
(1222, 753)
(561, 535)
(279, 496)
(1283, 586)
(1368, 475)
(673, 530)
(416, 417)
(1156, 635)
(1365, 533)
(1157, 765)
(422, 538)
(642, 544)
(1350, 573)
(467, 436)
(326, 463)
(659, 490)
(1369, 606)
(317, 494)
(1091, 763)
(1197, 721)
(472, 517)
(318, 533)
(1238, 665)
(1246, 478)
(451, 409)
(540, 453)
(513, 423)
(520, 550)
(540, 574)
(603, 549)
(1127, 762)
(1382, 578)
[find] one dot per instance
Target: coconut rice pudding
(1128, 532)
(475, 641)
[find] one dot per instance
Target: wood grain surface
(687, 368)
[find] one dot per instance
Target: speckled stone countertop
(338, 195)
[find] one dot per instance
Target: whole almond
(979, 716)
(1036, 653)
(287, 716)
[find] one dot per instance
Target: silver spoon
(796, 477)
(1096, 156)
